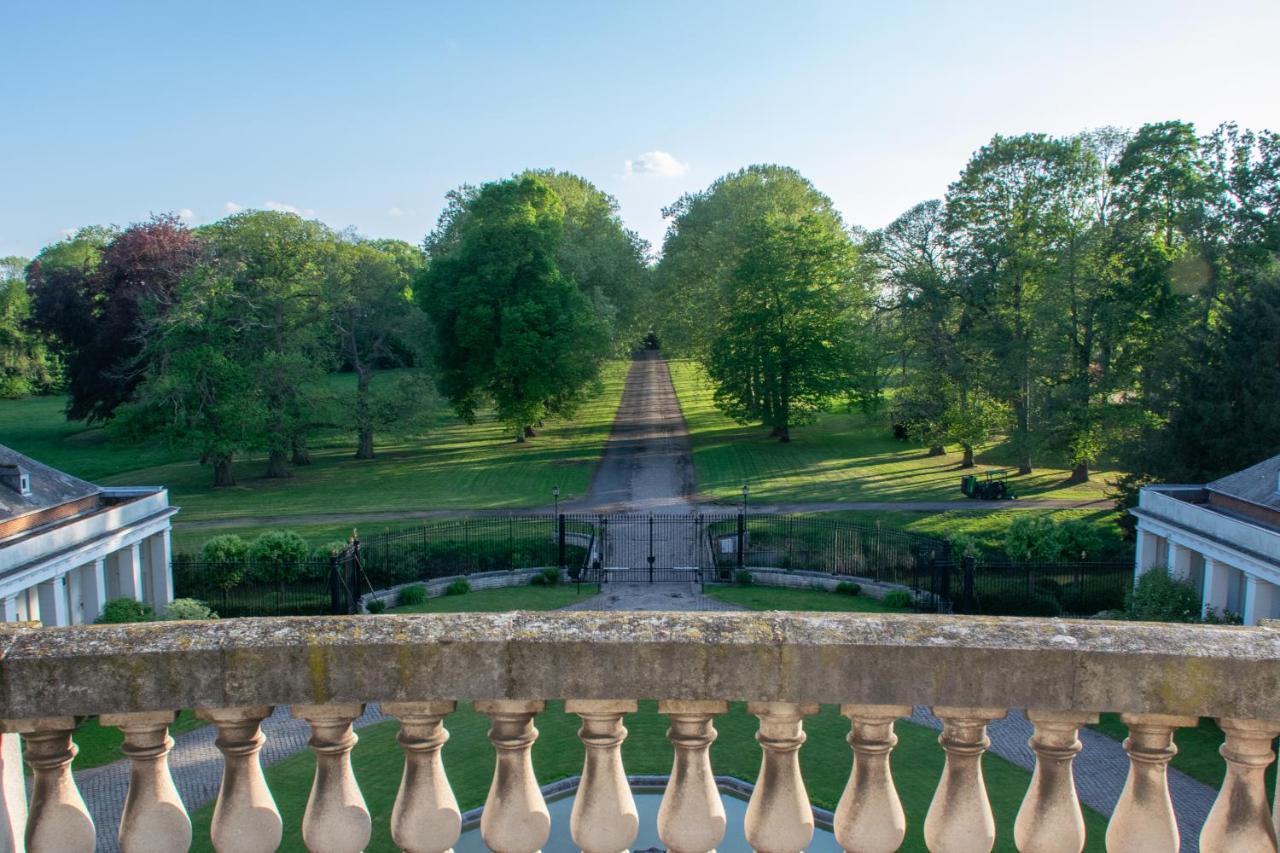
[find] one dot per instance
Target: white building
(67, 547)
(1224, 537)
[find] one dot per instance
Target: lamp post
(744, 498)
(555, 493)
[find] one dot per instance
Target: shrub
(324, 552)
(849, 588)
(458, 587)
(898, 598)
(742, 577)
(188, 609)
(552, 576)
(416, 594)
(377, 605)
(1088, 598)
(228, 548)
(1159, 597)
(1034, 536)
(278, 555)
(121, 610)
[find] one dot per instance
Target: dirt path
(647, 463)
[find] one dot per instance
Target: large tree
(511, 328)
(93, 293)
(26, 364)
(368, 294)
(784, 335)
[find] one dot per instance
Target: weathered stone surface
(831, 658)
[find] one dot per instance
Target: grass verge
(805, 600)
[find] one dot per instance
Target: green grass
(447, 465)
(507, 598)
(987, 529)
(844, 456)
(809, 600)
(468, 758)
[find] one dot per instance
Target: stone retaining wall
(437, 586)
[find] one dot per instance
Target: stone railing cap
(890, 659)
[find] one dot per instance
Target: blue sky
(365, 114)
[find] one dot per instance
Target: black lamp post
(555, 493)
(744, 498)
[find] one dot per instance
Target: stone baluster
(154, 818)
(245, 818)
(425, 818)
(336, 819)
(1143, 820)
(779, 818)
(869, 817)
(57, 820)
(691, 818)
(959, 818)
(604, 818)
(515, 818)
(1050, 820)
(1240, 820)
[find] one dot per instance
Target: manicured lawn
(987, 529)
(775, 598)
(468, 759)
(843, 457)
(447, 464)
(507, 598)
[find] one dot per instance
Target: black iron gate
(649, 548)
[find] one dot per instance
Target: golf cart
(988, 486)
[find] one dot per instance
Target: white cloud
(659, 163)
(187, 214)
(397, 212)
(281, 207)
(232, 207)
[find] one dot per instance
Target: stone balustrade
(970, 670)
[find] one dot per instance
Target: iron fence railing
(651, 547)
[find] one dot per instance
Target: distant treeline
(1111, 294)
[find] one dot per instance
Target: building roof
(1258, 484)
(49, 487)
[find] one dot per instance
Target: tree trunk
(1025, 466)
(301, 455)
(519, 436)
(364, 449)
(967, 461)
(784, 434)
(529, 433)
(776, 432)
(1079, 474)
(223, 475)
(277, 465)
(937, 450)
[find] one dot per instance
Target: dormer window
(17, 478)
(24, 484)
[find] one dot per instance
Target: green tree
(971, 419)
(26, 364)
(368, 293)
(782, 336)
(510, 327)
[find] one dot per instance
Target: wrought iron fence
(655, 548)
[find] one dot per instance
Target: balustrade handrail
(1064, 664)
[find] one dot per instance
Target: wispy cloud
(231, 207)
(660, 163)
(397, 212)
(281, 207)
(187, 215)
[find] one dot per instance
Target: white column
(129, 566)
(1217, 582)
(1179, 561)
(1258, 598)
(161, 573)
(13, 794)
(1145, 554)
(9, 608)
(93, 589)
(53, 602)
(74, 610)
